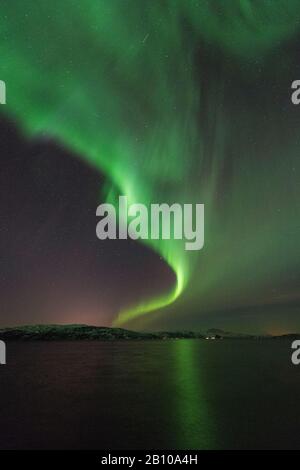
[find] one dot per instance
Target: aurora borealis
(177, 101)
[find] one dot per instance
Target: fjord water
(180, 394)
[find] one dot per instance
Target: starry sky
(161, 101)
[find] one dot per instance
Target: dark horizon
(204, 330)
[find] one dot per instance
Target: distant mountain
(85, 332)
(289, 336)
(69, 332)
(101, 333)
(216, 332)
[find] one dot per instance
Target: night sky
(161, 101)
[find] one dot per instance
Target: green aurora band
(120, 83)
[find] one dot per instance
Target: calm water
(150, 395)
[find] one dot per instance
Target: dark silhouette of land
(100, 333)
(86, 332)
